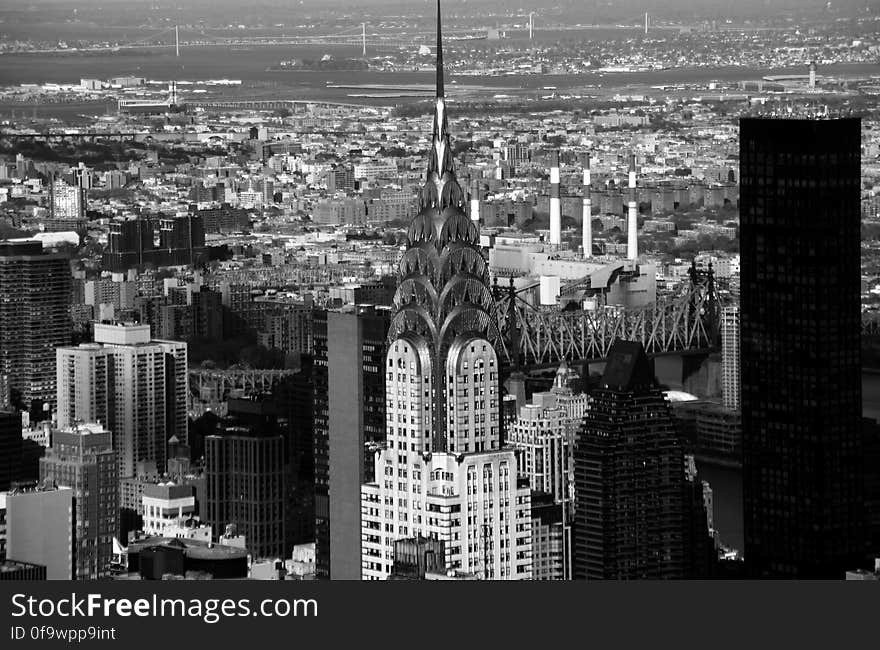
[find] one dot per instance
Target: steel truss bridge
(535, 337)
(248, 381)
(688, 322)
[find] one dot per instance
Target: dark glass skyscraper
(34, 319)
(800, 329)
(244, 467)
(632, 518)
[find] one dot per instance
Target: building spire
(440, 88)
(441, 154)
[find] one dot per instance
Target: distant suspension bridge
(379, 37)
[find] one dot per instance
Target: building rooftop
(193, 548)
(121, 333)
(8, 566)
(627, 367)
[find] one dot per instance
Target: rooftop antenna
(176, 41)
(441, 159)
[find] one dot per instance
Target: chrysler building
(443, 473)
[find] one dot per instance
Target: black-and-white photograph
(422, 290)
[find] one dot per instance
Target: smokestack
(475, 202)
(813, 68)
(555, 208)
(632, 239)
(587, 216)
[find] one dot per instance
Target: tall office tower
(544, 436)
(86, 384)
(631, 515)
(132, 384)
(587, 210)
(443, 473)
(731, 377)
(288, 412)
(82, 459)
(800, 337)
(297, 400)
(545, 433)
(40, 530)
(632, 225)
(66, 201)
(34, 319)
(350, 351)
(555, 206)
(244, 467)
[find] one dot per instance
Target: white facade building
(544, 436)
(442, 473)
(124, 380)
(66, 201)
(165, 505)
(468, 496)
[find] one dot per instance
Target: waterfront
(252, 65)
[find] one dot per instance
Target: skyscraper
(630, 483)
(443, 473)
(350, 392)
(800, 337)
(86, 385)
(82, 459)
(545, 431)
(244, 466)
(132, 384)
(543, 436)
(34, 318)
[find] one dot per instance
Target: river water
(251, 65)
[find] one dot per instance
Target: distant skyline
(601, 9)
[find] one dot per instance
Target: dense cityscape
(441, 300)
